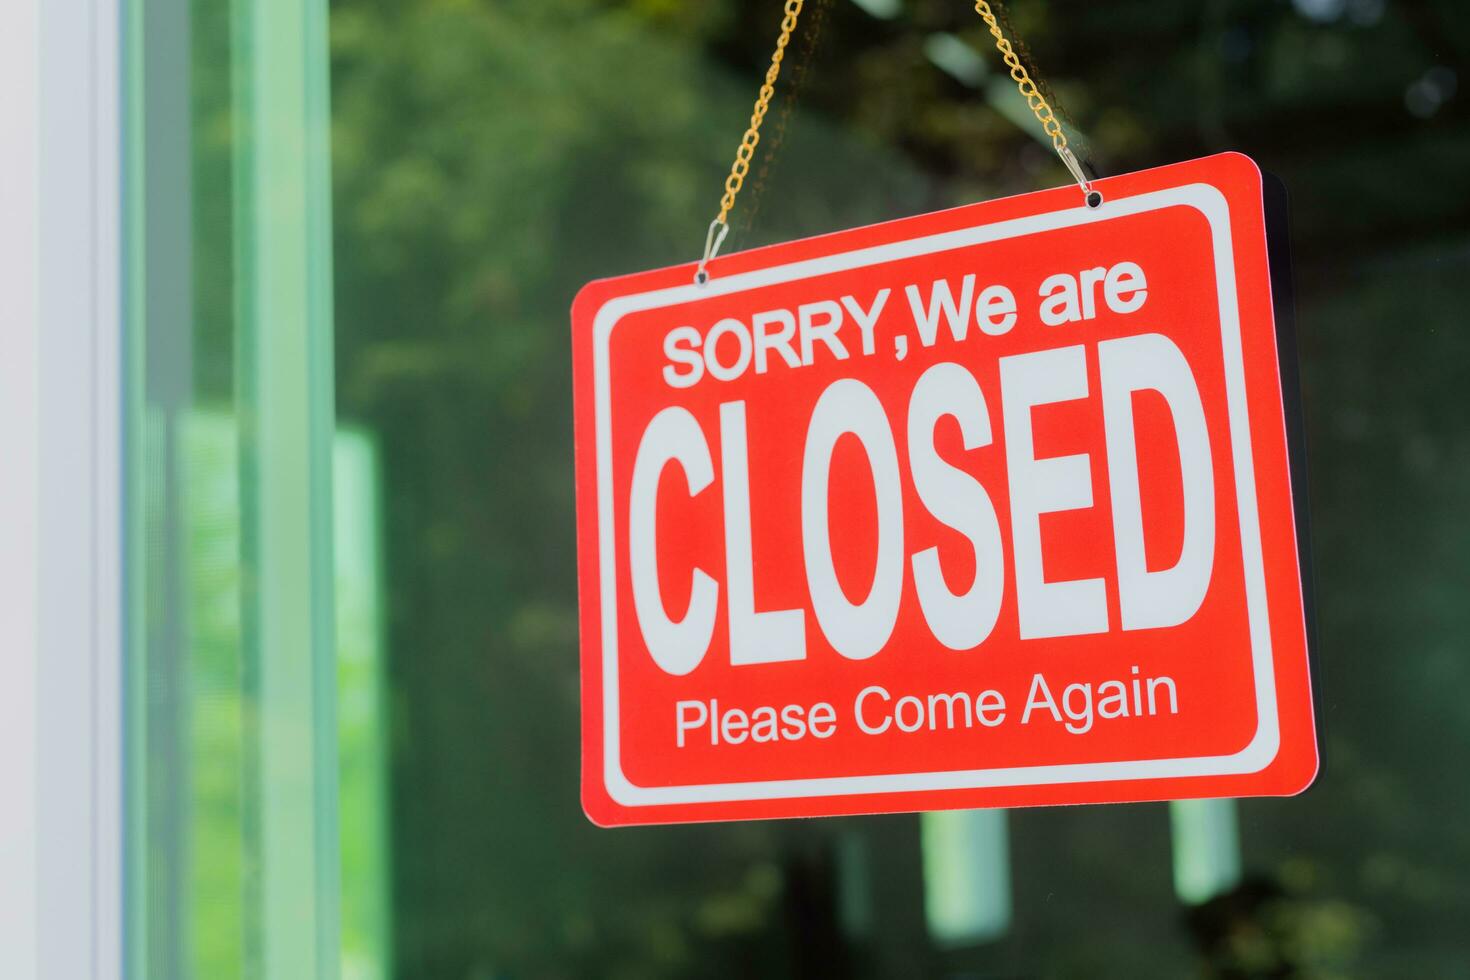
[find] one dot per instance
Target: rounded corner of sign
(1240, 158)
(589, 302)
(1308, 777)
(599, 808)
(1248, 167)
(587, 296)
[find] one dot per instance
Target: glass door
(352, 230)
(255, 766)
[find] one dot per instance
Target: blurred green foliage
(490, 156)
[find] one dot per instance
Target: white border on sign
(1253, 758)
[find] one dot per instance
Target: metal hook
(712, 243)
(1092, 196)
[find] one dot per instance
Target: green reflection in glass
(216, 801)
(231, 837)
(854, 886)
(361, 710)
(284, 391)
(1206, 848)
(215, 737)
(967, 875)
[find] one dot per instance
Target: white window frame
(61, 818)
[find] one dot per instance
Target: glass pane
(353, 705)
(491, 157)
(234, 845)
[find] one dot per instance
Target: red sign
(988, 507)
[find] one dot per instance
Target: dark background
(490, 156)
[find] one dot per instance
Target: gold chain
(797, 74)
(746, 151)
(1023, 80)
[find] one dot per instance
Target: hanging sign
(988, 507)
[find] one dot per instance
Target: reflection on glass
(216, 807)
(1206, 848)
(955, 58)
(854, 885)
(361, 717)
(882, 9)
(215, 740)
(967, 875)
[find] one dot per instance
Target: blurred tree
(492, 156)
